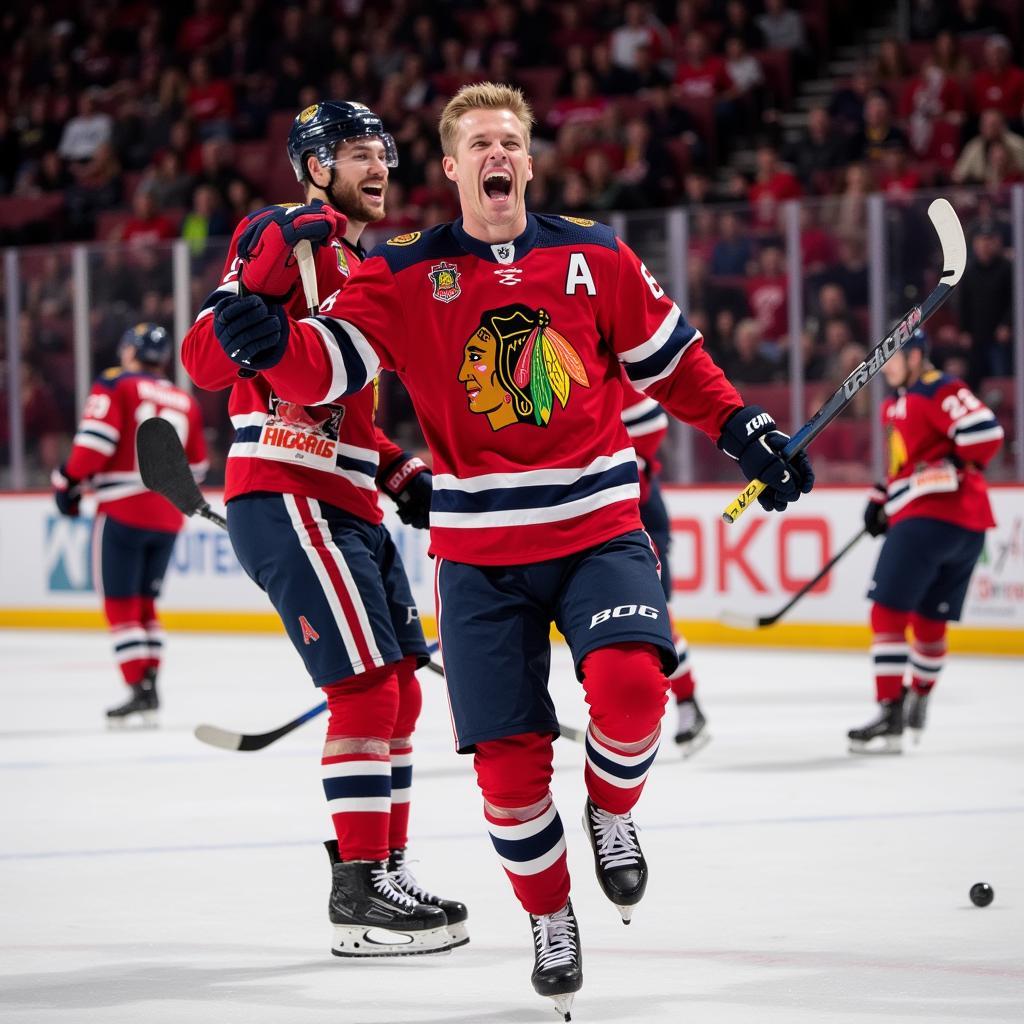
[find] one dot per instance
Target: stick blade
(737, 620)
(221, 738)
(163, 465)
(951, 238)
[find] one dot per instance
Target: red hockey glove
(410, 484)
(265, 246)
(67, 492)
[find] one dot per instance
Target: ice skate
(692, 733)
(883, 734)
(915, 713)
(139, 711)
(456, 913)
(618, 859)
(373, 918)
(557, 958)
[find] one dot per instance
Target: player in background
(305, 522)
(135, 529)
(934, 511)
(507, 329)
(646, 424)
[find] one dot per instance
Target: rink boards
(752, 568)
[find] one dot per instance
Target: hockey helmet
(917, 340)
(151, 342)
(319, 128)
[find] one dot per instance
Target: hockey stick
(576, 735)
(739, 621)
(164, 468)
(954, 260)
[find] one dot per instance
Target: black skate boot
(692, 734)
(557, 958)
(457, 914)
(618, 859)
(915, 712)
(373, 918)
(140, 708)
(883, 734)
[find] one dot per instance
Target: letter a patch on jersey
(309, 634)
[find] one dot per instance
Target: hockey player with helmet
(646, 423)
(507, 329)
(135, 529)
(304, 519)
(933, 511)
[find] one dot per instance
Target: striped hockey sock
(401, 792)
(927, 652)
(131, 646)
(616, 772)
(889, 651)
(154, 634)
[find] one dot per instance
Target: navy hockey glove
(265, 246)
(875, 520)
(749, 436)
(410, 484)
(67, 492)
(252, 334)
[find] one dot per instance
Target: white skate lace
(381, 879)
(616, 838)
(554, 936)
(404, 879)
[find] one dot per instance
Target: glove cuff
(742, 427)
(394, 477)
(61, 480)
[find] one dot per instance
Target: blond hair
(483, 96)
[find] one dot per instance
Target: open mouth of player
(498, 186)
(373, 192)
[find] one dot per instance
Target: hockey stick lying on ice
(740, 621)
(576, 735)
(954, 260)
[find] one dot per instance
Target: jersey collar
(492, 253)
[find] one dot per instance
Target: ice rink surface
(146, 877)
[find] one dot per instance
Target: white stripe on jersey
(254, 450)
(647, 427)
(339, 385)
(531, 477)
(248, 419)
(229, 287)
(97, 444)
(642, 408)
(98, 426)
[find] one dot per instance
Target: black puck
(982, 894)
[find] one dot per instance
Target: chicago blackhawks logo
(516, 366)
(445, 278)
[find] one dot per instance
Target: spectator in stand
(148, 225)
(205, 219)
(702, 76)
(926, 18)
(745, 71)
(985, 306)
(846, 107)
(972, 166)
(97, 187)
(891, 67)
(738, 22)
(834, 335)
(201, 30)
(929, 99)
(766, 292)
(1000, 168)
(817, 245)
(784, 29)
(973, 18)
(647, 177)
(648, 74)
(209, 101)
(745, 361)
(638, 28)
(734, 251)
(830, 300)
(533, 33)
(166, 181)
(218, 167)
(583, 105)
(878, 131)
(897, 179)
(242, 52)
(610, 78)
(999, 85)
(772, 186)
(94, 62)
(669, 120)
(241, 202)
(85, 133)
(49, 175)
(850, 273)
(436, 190)
(819, 152)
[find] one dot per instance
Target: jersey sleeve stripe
(222, 292)
(658, 357)
(101, 429)
(979, 435)
(983, 415)
(642, 409)
(86, 439)
(353, 361)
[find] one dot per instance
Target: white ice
(146, 877)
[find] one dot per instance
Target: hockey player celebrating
(934, 512)
(135, 529)
(646, 424)
(507, 329)
(304, 520)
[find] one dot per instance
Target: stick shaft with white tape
(307, 271)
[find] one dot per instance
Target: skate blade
(136, 720)
(626, 913)
(915, 736)
(889, 745)
(458, 934)
(355, 941)
(687, 748)
(563, 1005)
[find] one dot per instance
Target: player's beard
(349, 200)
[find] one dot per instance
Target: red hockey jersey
(510, 353)
(646, 424)
(324, 449)
(103, 451)
(940, 438)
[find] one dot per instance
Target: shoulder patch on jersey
(411, 238)
(930, 382)
(555, 230)
(930, 376)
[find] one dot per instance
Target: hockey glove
(251, 333)
(265, 246)
(410, 484)
(749, 436)
(875, 520)
(67, 492)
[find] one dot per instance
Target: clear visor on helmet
(326, 152)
